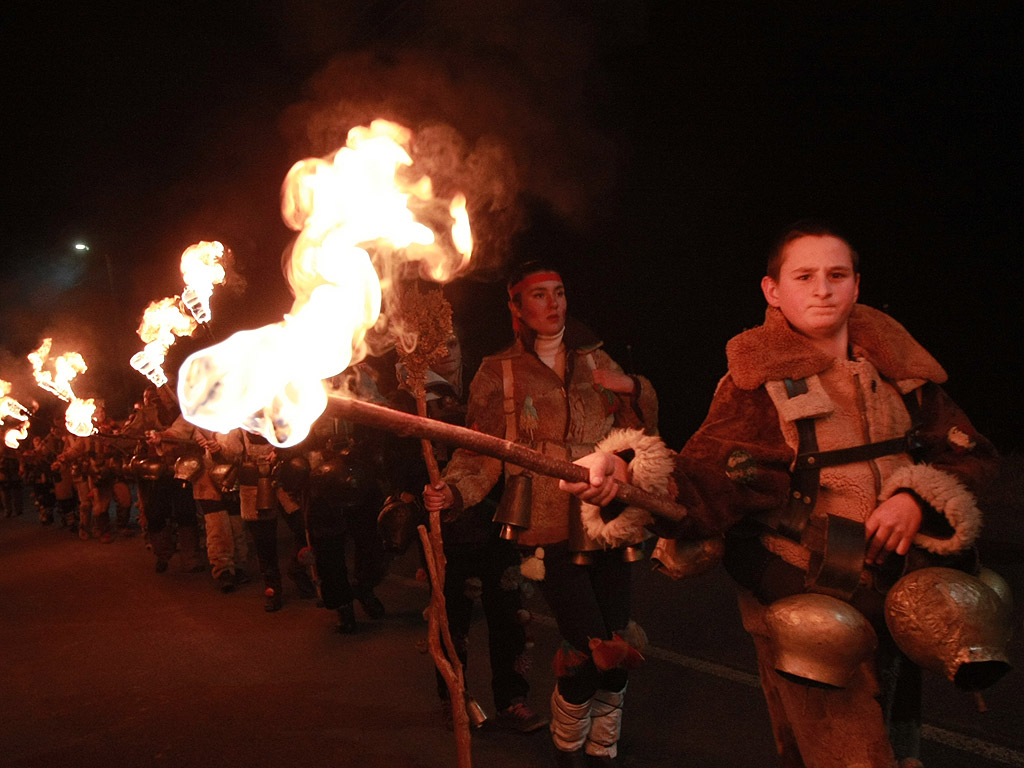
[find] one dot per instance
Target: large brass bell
(513, 511)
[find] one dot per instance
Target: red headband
(533, 279)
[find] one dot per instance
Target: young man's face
(817, 286)
(542, 307)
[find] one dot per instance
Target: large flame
(361, 211)
(201, 269)
(162, 321)
(65, 369)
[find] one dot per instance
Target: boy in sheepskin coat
(824, 373)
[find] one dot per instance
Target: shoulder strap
(507, 382)
(804, 482)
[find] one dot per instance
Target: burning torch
(162, 322)
(78, 417)
(201, 269)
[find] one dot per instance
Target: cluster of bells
(944, 620)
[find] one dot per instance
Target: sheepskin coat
(736, 468)
(563, 419)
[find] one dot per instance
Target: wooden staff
(409, 425)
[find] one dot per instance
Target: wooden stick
(437, 631)
(428, 450)
(411, 425)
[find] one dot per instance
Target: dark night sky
(655, 153)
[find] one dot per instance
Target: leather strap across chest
(836, 569)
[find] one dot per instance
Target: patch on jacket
(608, 398)
(740, 467)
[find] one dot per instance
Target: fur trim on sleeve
(948, 496)
(650, 469)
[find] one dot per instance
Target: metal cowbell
(513, 511)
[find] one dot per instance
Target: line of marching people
(347, 496)
(213, 501)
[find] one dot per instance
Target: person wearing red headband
(556, 391)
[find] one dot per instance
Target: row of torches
(356, 202)
(201, 268)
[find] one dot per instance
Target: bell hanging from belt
(581, 546)
(513, 511)
(632, 553)
(265, 495)
(477, 716)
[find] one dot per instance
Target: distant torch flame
(161, 322)
(201, 269)
(65, 368)
(13, 436)
(9, 407)
(78, 417)
(364, 199)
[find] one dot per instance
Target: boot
(346, 619)
(574, 759)
(303, 583)
(84, 522)
(570, 724)
(123, 516)
(370, 603)
(605, 726)
(272, 592)
(101, 524)
(188, 548)
(162, 543)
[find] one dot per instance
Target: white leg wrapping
(606, 723)
(570, 723)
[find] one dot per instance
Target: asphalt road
(107, 663)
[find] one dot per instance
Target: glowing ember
(359, 212)
(12, 437)
(78, 417)
(201, 270)
(9, 407)
(161, 322)
(65, 369)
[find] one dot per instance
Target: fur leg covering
(605, 723)
(570, 723)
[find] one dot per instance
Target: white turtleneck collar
(547, 347)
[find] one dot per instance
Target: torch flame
(78, 417)
(65, 368)
(201, 270)
(13, 436)
(9, 407)
(362, 200)
(162, 321)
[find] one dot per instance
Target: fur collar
(774, 351)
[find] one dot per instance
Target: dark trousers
(368, 558)
(264, 538)
(506, 638)
(588, 601)
(168, 500)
